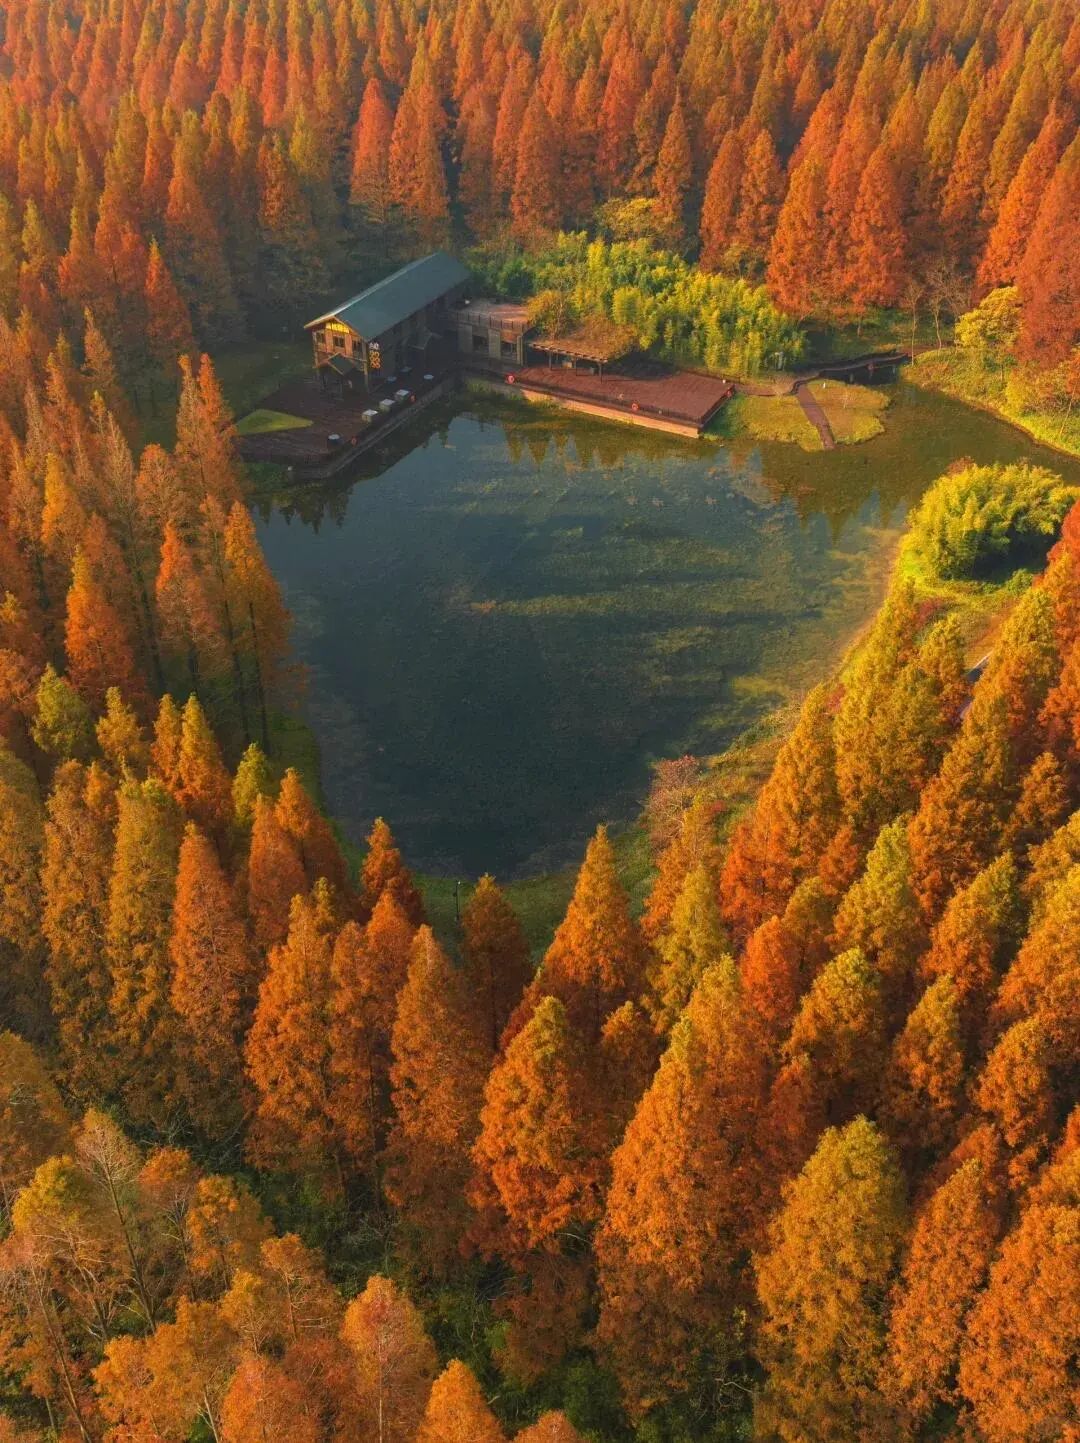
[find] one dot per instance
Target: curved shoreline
(989, 410)
(739, 766)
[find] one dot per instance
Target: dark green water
(508, 616)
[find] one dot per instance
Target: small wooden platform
(308, 449)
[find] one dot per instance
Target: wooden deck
(309, 449)
(643, 392)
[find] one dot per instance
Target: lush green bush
(720, 322)
(971, 519)
(990, 331)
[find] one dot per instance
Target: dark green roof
(399, 296)
(343, 365)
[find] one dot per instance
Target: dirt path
(816, 416)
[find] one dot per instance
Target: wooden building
(390, 326)
(492, 331)
(501, 332)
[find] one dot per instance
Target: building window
(479, 341)
(334, 336)
(509, 348)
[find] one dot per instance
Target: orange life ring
(634, 406)
(511, 378)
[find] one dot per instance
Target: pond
(506, 618)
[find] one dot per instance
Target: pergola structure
(598, 340)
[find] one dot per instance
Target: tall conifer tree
(438, 1074)
(821, 1282)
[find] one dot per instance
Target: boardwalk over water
(815, 415)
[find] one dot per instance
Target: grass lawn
(771, 418)
(261, 421)
(293, 744)
(539, 902)
(247, 373)
(853, 412)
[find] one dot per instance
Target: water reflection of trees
(313, 503)
(542, 433)
(602, 443)
(922, 436)
(546, 625)
(309, 505)
(894, 469)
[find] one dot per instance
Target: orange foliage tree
(551, 1428)
(384, 870)
(783, 955)
(975, 933)
(141, 891)
(595, 961)
(287, 1050)
(456, 1411)
(496, 954)
(953, 1240)
(821, 1281)
(1014, 1368)
(79, 821)
(840, 1027)
(923, 1092)
(394, 1362)
(264, 1404)
(367, 970)
(680, 1208)
(213, 985)
(97, 644)
(439, 1069)
(538, 1172)
(312, 835)
(791, 825)
(275, 874)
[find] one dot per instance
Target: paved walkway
(816, 416)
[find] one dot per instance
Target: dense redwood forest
(179, 167)
(790, 1153)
